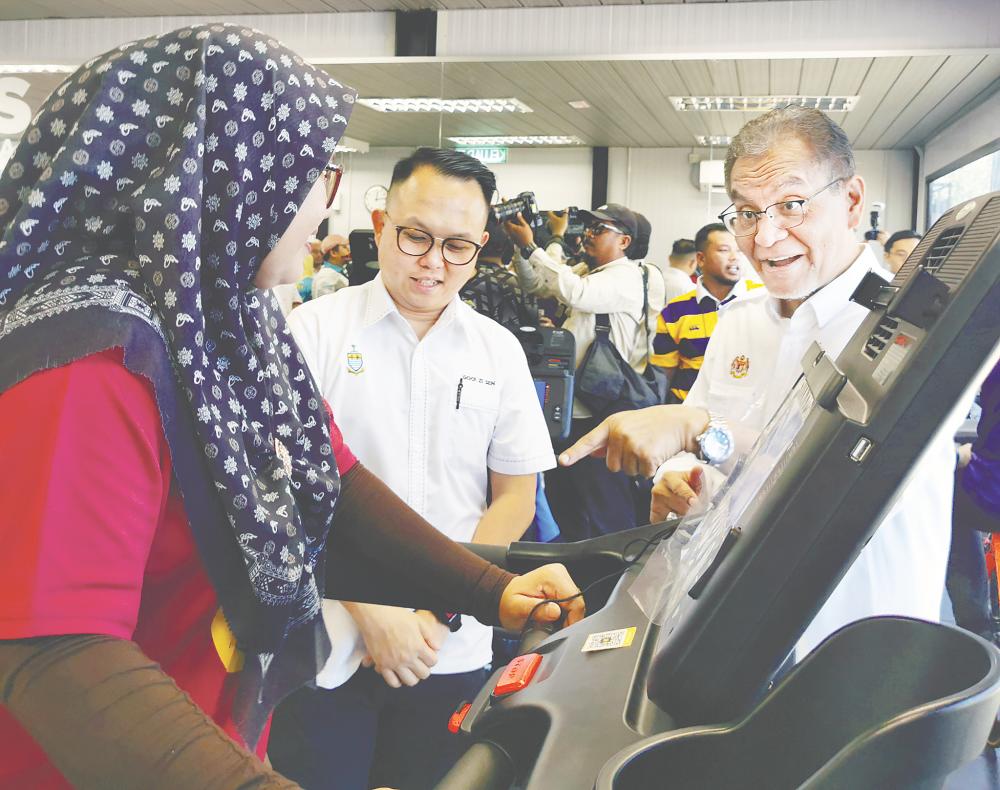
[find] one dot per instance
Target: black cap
(616, 214)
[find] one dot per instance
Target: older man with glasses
(589, 500)
(445, 412)
(797, 202)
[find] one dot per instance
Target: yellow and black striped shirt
(683, 330)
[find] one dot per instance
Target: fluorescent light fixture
(580, 104)
(38, 68)
(446, 105)
(537, 139)
(759, 103)
(713, 139)
(349, 145)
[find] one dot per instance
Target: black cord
(628, 563)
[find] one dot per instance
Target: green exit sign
(487, 154)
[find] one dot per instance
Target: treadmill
(664, 694)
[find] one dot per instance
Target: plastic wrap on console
(676, 566)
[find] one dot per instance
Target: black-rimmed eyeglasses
(784, 214)
(332, 174)
(416, 242)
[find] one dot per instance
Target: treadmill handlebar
(484, 766)
(602, 553)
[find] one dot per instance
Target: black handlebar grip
(484, 766)
(535, 633)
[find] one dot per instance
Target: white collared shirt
(614, 288)
(397, 401)
(753, 361)
(738, 291)
(675, 283)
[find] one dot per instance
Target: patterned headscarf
(135, 213)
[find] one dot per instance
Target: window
(971, 180)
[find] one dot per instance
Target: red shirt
(95, 538)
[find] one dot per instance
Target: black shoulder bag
(606, 383)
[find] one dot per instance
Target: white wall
(889, 178)
(974, 130)
(559, 177)
(657, 182)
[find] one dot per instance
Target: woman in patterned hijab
(155, 192)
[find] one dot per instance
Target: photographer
(587, 499)
(495, 291)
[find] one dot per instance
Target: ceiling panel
(848, 75)
(904, 101)
(983, 81)
(785, 76)
(909, 84)
(878, 83)
(816, 76)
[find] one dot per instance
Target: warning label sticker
(893, 358)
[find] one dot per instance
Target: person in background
(310, 265)
(494, 290)
(461, 438)
(681, 268)
(898, 248)
(589, 500)
(182, 499)
(684, 327)
(332, 273)
(976, 510)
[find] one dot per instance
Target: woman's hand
(525, 592)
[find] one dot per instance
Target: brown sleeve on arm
(382, 551)
(108, 716)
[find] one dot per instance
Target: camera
(876, 212)
(527, 206)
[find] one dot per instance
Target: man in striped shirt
(685, 325)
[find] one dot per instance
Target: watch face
(375, 197)
(716, 445)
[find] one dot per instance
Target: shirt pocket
(735, 402)
(474, 414)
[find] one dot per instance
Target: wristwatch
(715, 444)
(450, 619)
(527, 250)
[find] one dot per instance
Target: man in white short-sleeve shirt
(796, 204)
(436, 400)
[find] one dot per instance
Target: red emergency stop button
(518, 674)
(455, 722)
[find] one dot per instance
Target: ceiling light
(713, 139)
(759, 103)
(37, 68)
(515, 140)
(580, 104)
(349, 145)
(446, 105)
